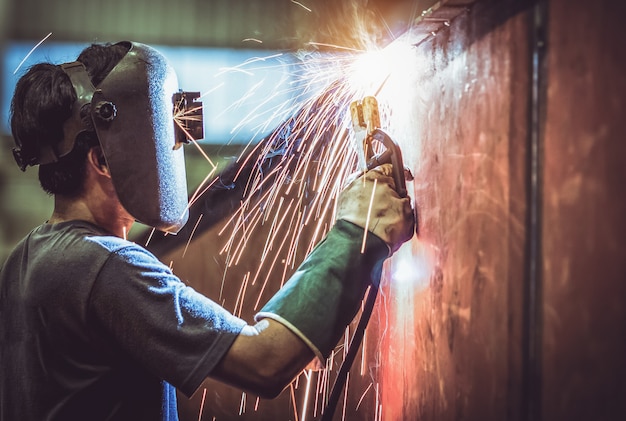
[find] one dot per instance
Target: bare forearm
(264, 359)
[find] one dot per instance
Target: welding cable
(353, 348)
(392, 155)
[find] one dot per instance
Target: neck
(111, 216)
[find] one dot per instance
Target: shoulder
(89, 239)
(80, 244)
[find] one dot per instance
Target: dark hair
(41, 104)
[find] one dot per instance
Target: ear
(96, 159)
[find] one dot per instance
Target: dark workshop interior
(509, 303)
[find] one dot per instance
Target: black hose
(355, 343)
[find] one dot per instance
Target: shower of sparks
(291, 179)
(30, 52)
(301, 167)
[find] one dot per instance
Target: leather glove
(391, 217)
(325, 293)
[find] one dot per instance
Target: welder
(93, 326)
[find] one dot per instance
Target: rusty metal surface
(584, 246)
(453, 348)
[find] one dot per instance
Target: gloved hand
(391, 218)
(325, 293)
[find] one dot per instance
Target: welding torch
(366, 126)
(391, 155)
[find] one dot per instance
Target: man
(93, 326)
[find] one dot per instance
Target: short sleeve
(174, 332)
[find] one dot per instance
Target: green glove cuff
(325, 293)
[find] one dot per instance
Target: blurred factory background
(511, 303)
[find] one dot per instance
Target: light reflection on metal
(411, 270)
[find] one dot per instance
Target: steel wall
(456, 344)
(583, 256)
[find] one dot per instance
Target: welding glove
(391, 218)
(325, 293)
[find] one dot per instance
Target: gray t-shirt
(95, 327)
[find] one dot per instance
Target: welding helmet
(132, 113)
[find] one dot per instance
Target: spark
(239, 67)
(363, 395)
(251, 113)
(363, 351)
(242, 293)
(317, 394)
(30, 52)
(273, 231)
(200, 190)
(367, 220)
(327, 385)
(242, 406)
(293, 400)
(202, 404)
(150, 237)
(246, 235)
(377, 406)
(234, 69)
(180, 117)
(301, 5)
(252, 39)
(308, 375)
(267, 277)
(235, 105)
(297, 381)
(345, 397)
(191, 235)
(334, 46)
(212, 90)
